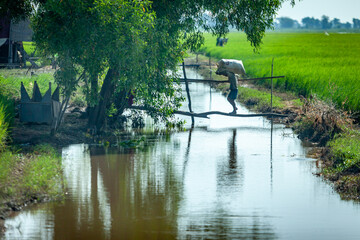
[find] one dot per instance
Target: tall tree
(16, 9)
(347, 25)
(356, 23)
(286, 22)
(137, 45)
(335, 23)
(311, 23)
(325, 23)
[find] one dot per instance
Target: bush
(320, 121)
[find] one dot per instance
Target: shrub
(320, 121)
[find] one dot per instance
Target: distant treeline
(313, 23)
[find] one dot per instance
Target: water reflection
(187, 152)
(211, 182)
(271, 154)
(89, 205)
(144, 194)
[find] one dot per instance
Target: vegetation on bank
(25, 176)
(343, 165)
(313, 63)
(28, 176)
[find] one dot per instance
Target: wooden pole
(272, 71)
(210, 68)
(10, 53)
(188, 95)
(210, 79)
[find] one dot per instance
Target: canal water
(228, 178)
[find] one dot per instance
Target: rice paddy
(314, 63)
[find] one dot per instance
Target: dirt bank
(72, 131)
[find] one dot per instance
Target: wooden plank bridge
(191, 114)
(206, 114)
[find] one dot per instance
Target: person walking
(233, 88)
(228, 68)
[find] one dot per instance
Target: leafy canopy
(143, 41)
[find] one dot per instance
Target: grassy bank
(30, 175)
(343, 163)
(313, 63)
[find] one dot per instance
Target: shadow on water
(223, 179)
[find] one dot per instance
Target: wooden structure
(206, 114)
(39, 109)
(12, 36)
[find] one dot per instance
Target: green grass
(29, 47)
(43, 174)
(7, 163)
(346, 150)
(313, 63)
(261, 100)
(3, 128)
(7, 113)
(34, 174)
(11, 82)
(31, 175)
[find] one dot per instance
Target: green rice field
(314, 63)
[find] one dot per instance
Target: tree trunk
(98, 114)
(93, 87)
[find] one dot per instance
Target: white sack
(231, 65)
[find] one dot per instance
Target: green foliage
(7, 112)
(312, 63)
(3, 127)
(31, 175)
(141, 42)
(132, 143)
(42, 175)
(7, 162)
(16, 9)
(345, 149)
(66, 76)
(78, 100)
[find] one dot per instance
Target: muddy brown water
(228, 178)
